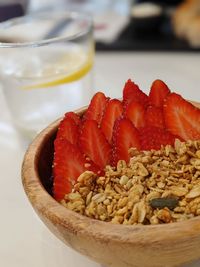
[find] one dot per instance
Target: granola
(124, 194)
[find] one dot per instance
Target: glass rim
(70, 14)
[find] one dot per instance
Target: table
(25, 241)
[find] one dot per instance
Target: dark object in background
(12, 9)
(146, 18)
(162, 2)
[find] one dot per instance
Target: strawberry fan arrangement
(110, 127)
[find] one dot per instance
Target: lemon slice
(72, 76)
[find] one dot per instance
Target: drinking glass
(46, 65)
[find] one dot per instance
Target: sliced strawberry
(96, 108)
(94, 144)
(159, 91)
(131, 92)
(114, 110)
(73, 116)
(68, 130)
(153, 138)
(125, 136)
(181, 117)
(68, 164)
(154, 117)
(91, 166)
(135, 112)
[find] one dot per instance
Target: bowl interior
(44, 162)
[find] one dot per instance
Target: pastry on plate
(186, 22)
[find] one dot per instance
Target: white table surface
(24, 240)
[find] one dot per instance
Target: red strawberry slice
(94, 144)
(125, 136)
(135, 112)
(153, 138)
(91, 166)
(73, 116)
(154, 117)
(181, 117)
(159, 91)
(68, 164)
(131, 92)
(68, 130)
(96, 108)
(113, 111)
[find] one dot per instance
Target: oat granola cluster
(154, 187)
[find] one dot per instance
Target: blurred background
(133, 25)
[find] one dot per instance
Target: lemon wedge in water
(74, 74)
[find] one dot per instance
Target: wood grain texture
(111, 245)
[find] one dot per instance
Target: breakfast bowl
(171, 244)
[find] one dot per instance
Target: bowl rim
(46, 205)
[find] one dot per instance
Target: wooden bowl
(111, 245)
